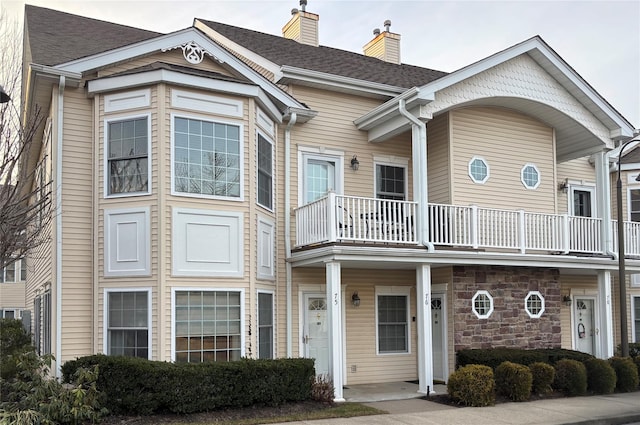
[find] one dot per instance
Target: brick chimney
(303, 26)
(385, 45)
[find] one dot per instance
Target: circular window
(530, 176)
(534, 304)
(482, 304)
(478, 170)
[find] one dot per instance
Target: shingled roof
(56, 37)
(283, 51)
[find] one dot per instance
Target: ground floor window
(42, 323)
(636, 319)
(265, 325)
(393, 323)
(208, 326)
(128, 323)
(482, 303)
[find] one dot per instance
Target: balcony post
(566, 234)
(522, 231)
(332, 232)
(603, 195)
(334, 326)
(425, 337)
(474, 226)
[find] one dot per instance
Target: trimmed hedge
(513, 381)
(472, 385)
(571, 377)
(492, 357)
(139, 386)
(626, 373)
(543, 375)
(601, 377)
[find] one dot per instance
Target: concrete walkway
(615, 409)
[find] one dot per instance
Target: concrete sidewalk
(615, 409)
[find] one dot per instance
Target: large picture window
(128, 156)
(393, 323)
(128, 324)
(208, 326)
(265, 325)
(265, 172)
(206, 158)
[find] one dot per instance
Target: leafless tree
(25, 183)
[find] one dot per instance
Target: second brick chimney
(385, 45)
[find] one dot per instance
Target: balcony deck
(344, 219)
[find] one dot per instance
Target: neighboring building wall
(509, 325)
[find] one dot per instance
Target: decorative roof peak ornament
(193, 52)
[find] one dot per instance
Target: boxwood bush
(492, 357)
(513, 381)
(601, 378)
(472, 385)
(139, 386)
(626, 374)
(543, 375)
(571, 377)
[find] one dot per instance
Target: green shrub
(571, 377)
(492, 357)
(14, 341)
(634, 350)
(601, 378)
(143, 387)
(636, 360)
(472, 385)
(543, 375)
(513, 381)
(626, 374)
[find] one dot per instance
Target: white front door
(438, 335)
(316, 340)
(584, 325)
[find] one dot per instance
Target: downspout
(419, 147)
(61, 87)
(287, 225)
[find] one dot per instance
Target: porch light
(355, 164)
(566, 299)
(4, 98)
(355, 299)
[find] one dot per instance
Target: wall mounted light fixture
(355, 164)
(566, 299)
(355, 299)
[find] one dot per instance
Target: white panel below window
(265, 249)
(127, 242)
(207, 243)
(206, 103)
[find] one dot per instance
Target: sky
(600, 40)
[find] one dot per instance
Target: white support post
(605, 326)
(523, 231)
(425, 338)
(332, 231)
(603, 197)
(334, 324)
(474, 226)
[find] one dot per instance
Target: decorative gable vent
(303, 26)
(385, 45)
(192, 52)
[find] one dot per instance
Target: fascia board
(338, 81)
(555, 63)
(164, 41)
(388, 110)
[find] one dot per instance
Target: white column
(425, 338)
(605, 325)
(334, 324)
(603, 200)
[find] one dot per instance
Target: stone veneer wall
(509, 325)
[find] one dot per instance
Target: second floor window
(390, 182)
(128, 156)
(582, 203)
(206, 158)
(634, 204)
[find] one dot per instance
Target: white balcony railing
(356, 219)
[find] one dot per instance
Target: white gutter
(61, 87)
(287, 224)
(420, 192)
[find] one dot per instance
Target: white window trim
(273, 322)
(473, 304)
(522, 180)
(630, 187)
(17, 312)
(633, 316)
(105, 315)
(526, 299)
(391, 162)
(205, 289)
(215, 120)
(473, 179)
(273, 174)
(582, 186)
(307, 152)
(394, 290)
(265, 123)
(105, 154)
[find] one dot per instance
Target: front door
(584, 325)
(437, 329)
(316, 339)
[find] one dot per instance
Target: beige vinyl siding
(579, 171)
(444, 275)
(12, 295)
(438, 167)
(77, 226)
(507, 140)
